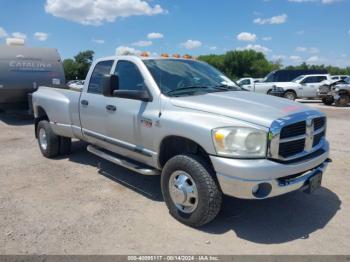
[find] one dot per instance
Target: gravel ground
(81, 204)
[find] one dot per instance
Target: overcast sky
(316, 31)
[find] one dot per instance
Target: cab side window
(310, 80)
(102, 68)
(129, 76)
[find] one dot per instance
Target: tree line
(249, 63)
(235, 64)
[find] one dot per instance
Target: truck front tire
(190, 190)
(328, 100)
(290, 95)
(47, 139)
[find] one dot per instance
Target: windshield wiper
(226, 87)
(187, 88)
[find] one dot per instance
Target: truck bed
(62, 108)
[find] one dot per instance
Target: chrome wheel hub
(183, 191)
(43, 139)
(290, 96)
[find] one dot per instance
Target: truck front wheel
(328, 100)
(290, 95)
(48, 141)
(190, 191)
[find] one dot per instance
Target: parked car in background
(336, 92)
(76, 84)
(339, 77)
(186, 121)
(278, 78)
(23, 70)
(304, 86)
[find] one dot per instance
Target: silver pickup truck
(184, 120)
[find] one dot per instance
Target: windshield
(176, 76)
(298, 79)
(347, 80)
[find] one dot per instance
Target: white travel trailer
(23, 70)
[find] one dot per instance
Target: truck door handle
(84, 102)
(111, 108)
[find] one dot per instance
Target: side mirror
(110, 83)
(142, 95)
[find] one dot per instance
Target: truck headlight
(240, 142)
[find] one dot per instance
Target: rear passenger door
(93, 104)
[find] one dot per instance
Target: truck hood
(246, 106)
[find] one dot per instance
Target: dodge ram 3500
(184, 120)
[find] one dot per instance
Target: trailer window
(102, 68)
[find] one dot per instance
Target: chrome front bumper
(240, 178)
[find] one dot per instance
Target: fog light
(262, 190)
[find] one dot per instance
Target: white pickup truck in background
(304, 86)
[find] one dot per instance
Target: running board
(139, 168)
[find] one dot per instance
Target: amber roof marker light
(144, 54)
(187, 56)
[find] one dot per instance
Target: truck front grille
(291, 148)
(292, 140)
(318, 138)
(319, 123)
(296, 129)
